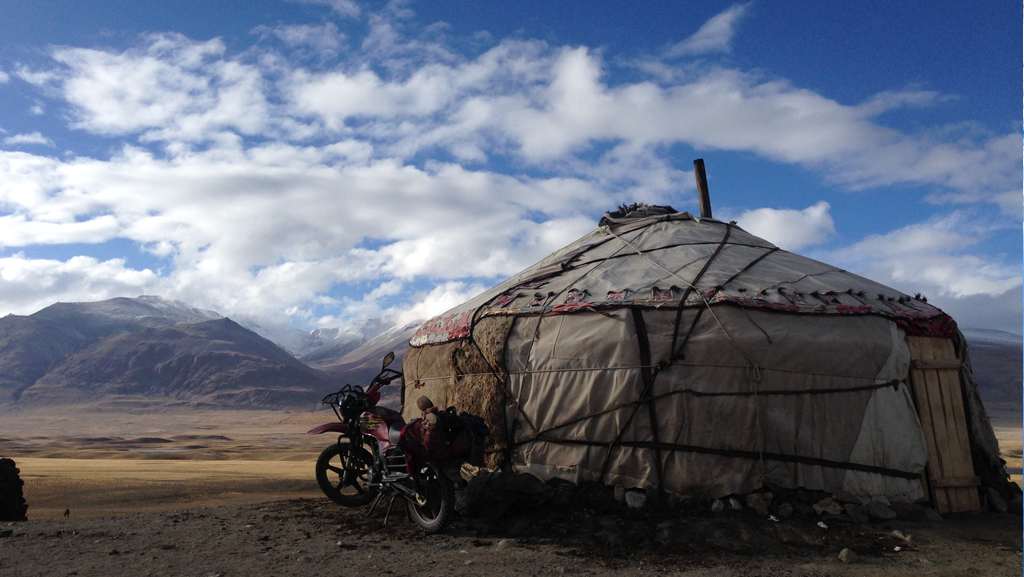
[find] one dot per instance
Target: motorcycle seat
(395, 431)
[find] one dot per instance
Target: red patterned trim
(942, 326)
(928, 323)
(443, 329)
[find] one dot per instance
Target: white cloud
(325, 40)
(790, 229)
(4, 77)
(713, 36)
(40, 78)
(519, 99)
(17, 230)
(37, 110)
(1002, 312)
(174, 89)
(343, 7)
(545, 106)
(1011, 202)
(337, 96)
(269, 183)
(273, 229)
(32, 284)
(441, 298)
(934, 258)
(30, 138)
(886, 101)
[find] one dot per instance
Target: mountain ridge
(168, 351)
(150, 348)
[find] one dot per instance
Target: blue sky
(323, 162)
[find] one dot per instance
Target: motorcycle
(371, 460)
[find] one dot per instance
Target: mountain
(294, 340)
(147, 347)
(215, 362)
(157, 351)
(990, 336)
(317, 345)
(31, 345)
(360, 365)
(996, 360)
(103, 318)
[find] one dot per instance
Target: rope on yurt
(788, 282)
(746, 313)
(503, 383)
(691, 287)
(780, 457)
(634, 367)
(748, 267)
(622, 430)
(675, 245)
(511, 441)
(675, 336)
(894, 383)
(645, 360)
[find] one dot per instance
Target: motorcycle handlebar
(386, 377)
(383, 379)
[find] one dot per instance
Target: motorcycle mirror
(388, 359)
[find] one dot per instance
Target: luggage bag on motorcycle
(470, 442)
(422, 441)
(461, 437)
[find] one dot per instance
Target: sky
(319, 163)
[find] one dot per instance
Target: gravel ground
(312, 537)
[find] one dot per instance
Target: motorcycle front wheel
(436, 503)
(343, 473)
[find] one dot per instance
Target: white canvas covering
(686, 354)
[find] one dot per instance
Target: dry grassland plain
(109, 463)
(1010, 448)
(97, 463)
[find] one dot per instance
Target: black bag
(478, 433)
(455, 436)
(466, 435)
(478, 424)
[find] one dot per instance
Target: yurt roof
(652, 256)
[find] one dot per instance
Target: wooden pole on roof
(702, 188)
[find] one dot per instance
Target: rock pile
(784, 504)
(12, 500)
(491, 496)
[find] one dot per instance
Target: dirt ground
(312, 537)
(232, 493)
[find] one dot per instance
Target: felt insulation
(468, 375)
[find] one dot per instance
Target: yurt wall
(681, 353)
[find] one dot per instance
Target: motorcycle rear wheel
(438, 494)
(343, 474)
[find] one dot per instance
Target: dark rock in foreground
(12, 500)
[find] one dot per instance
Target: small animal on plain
(67, 513)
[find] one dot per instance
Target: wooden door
(935, 380)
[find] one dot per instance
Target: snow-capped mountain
(153, 350)
(146, 310)
(321, 343)
(991, 336)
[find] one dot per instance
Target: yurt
(669, 351)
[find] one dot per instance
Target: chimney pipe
(702, 188)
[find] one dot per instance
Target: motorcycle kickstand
(388, 512)
(374, 506)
